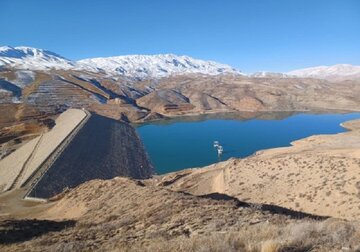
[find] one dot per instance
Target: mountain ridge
(33, 58)
(155, 66)
(135, 66)
(328, 72)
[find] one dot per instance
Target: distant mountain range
(137, 66)
(153, 66)
(265, 74)
(329, 72)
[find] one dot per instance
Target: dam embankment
(20, 165)
(102, 149)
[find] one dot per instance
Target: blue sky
(252, 35)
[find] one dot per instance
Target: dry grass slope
(125, 215)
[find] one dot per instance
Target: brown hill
(125, 215)
(52, 91)
(47, 93)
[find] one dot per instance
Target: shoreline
(219, 114)
(290, 142)
(319, 172)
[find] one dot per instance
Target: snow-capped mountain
(265, 74)
(22, 57)
(154, 66)
(341, 71)
(133, 66)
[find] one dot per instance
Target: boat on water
(218, 147)
(220, 150)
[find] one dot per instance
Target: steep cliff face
(103, 149)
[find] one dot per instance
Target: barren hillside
(28, 98)
(125, 215)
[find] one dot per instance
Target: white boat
(220, 149)
(216, 144)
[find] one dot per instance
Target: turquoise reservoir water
(176, 145)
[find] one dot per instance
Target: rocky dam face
(103, 148)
